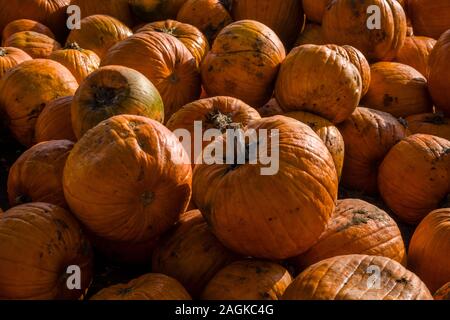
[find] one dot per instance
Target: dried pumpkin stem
(2, 52)
(222, 121)
(73, 46)
(437, 119)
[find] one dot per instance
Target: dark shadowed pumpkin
(315, 9)
(311, 34)
(435, 124)
(37, 45)
(25, 25)
(443, 293)
(153, 10)
(429, 18)
(416, 53)
(11, 57)
(118, 9)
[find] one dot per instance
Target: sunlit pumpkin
(36, 44)
(25, 25)
(11, 57)
(443, 293)
(416, 53)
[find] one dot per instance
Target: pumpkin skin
(248, 280)
(345, 23)
(348, 278)
(308, 75)
(191, 253)
(427, 249)
(152, 10)
(271, 108)
(79, 61)
(416, 53)
(190, 36)
(36, 176)
(152, 286)
(368, 135)
(243, 63)
(429, 18)
(356, 227)
(54, 122)
(148, 194)
(443, 293)
(11, 57)
(165, 61)
(430, 123)
(57, 243)
(110, 91)
(25, 25)
(326, 131)
(214, 16)
(306, 168)
(414, 178)
(25, 90)
(118, 9)
(311, 34)
(219, 113)
(397, 89)
(37, 45)
(315, 9)
(99, 33)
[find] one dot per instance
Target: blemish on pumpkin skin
(124, 291)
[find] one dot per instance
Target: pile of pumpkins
(356, 108)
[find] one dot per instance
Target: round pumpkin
(271, 108)
(292, 202)
(315, 9)
(311, 34)
(416, 53)
(11, 57)
(99, 33)
(119, 9)
(40, 243)
(165, 61)
(414, 177)
(429, 18)
(318, 80)
(191, 253)
(55, 121)
(25, 91)
(25, 25)
(79, 61)
(152, 10)
(443, 293)
(144, 177)
(356, 277)
(430, 123)
(346, 22)
(36, 176)
(37, 45)
(368, 135)
(248, 280)
(110, 91)
(397, 89)
(428, 249)
(151, 286)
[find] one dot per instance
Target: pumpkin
(79, 61)
(37, 45)
(430, 123)
(397, 89)
(110, 91)
(413, 178)
(439, 73)
(243, 63)
(25, 25)
(346, 22)
(416, 53)
(292, 203)
(428, 248)
(25, 91)
(99, 33)
(248, 280)
(11, 57)
(138, 201)
(209, 16)
(315, 9)
(54, 122)
(356, 227)
(443, 293)
(310, 74)
(284, 17)
(311, 34)
(368, 135)
(191, 253)
(36, 176)
(219, 113)
(429, 18)
(151, 10)
(151, 286)
(326, 131)
(271, 108)
(119, 9)
(39, 244)
(190, 36)
(351, 277)
(165, 61)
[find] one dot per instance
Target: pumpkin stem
(105, 96)
(438, 119)
(2, 52)
(147, 198)
(222, 121)
(73, 46)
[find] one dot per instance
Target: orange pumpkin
(428, 248)
(271, 108)
(152, 10)
(138, 201)
(243, 63)
(36, 176)
(315, 9)
(119, 9)
(429, 18)
(416, 53)
(37, 45)
(346, 22)
(11, 57)
(318, 80)
(39, 245)
(351, 277)
(443, 293)
(26, 90)
(430, 123)
(368, 135)
(54, 122)
(165, 61)
(110, 91)
(25, 25)
(191, 253)
(397, 89)
(414, 177)
(248, 280)
(151, 286)
(99, 33)
(311, 34)
(290, 206)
